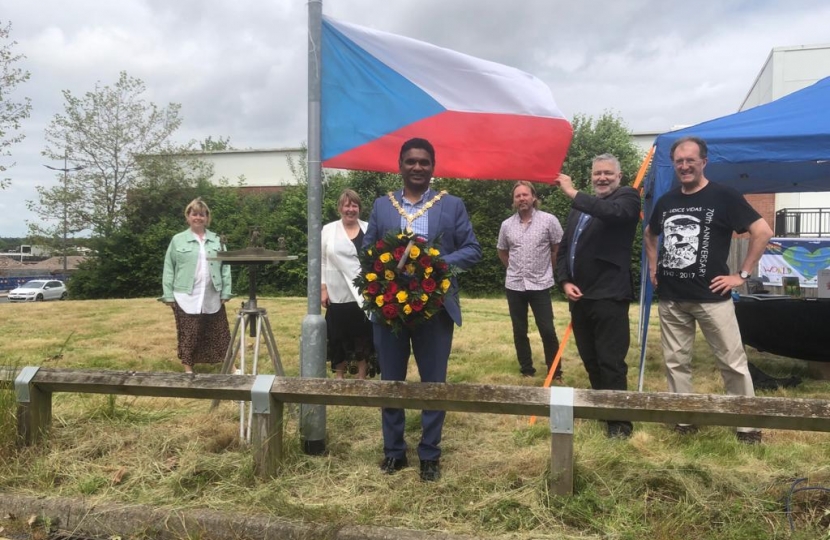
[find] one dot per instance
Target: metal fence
(802, 222)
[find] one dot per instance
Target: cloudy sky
(238, 67)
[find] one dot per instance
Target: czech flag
(485, 120)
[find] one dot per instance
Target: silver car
(39, 290)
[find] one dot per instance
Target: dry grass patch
(176, 454)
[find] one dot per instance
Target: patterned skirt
(203, 338)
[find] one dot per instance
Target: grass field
(175, 454)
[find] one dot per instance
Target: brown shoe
(558, 381)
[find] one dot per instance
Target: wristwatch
(744, 275)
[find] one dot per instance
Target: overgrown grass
(174, 453)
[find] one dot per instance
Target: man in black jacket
(594, 271)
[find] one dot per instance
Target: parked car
(38, 290)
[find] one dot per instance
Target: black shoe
(619, 430)
(391, 465)
(749, 437)
(430, 470)
(685, 429)
(529, 373)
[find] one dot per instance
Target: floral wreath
(403, 280)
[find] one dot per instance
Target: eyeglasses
(687, 161)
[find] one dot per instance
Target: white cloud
(238, 67)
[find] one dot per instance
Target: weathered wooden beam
(703, 409)
(133, 383)
(485, 398)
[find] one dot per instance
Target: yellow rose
(407, 309)
(433, 252)
(410, 268)
(424, 297)
(379, 300)
(369, 252)
(427, 271)
(414, 252)
(402, 297)
(371, 277)
(385, 257)
(445, 284)
(400, 236)
(389, 275)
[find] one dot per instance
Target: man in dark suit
(430, 214)
(594, 272)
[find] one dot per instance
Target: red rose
(428, 285)
(373, 288)
(443, 266)
(420, 240)
(390, 311)
(425, 261)
(378, 266)
(388, 296)
(413, 284)
(398, 253)
(392, 287)
(379, 244)
(416, 304)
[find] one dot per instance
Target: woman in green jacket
(197, 290)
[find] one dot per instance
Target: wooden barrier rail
(34, 388)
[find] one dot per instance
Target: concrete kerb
(106, 520)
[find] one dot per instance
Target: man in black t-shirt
(692, 277)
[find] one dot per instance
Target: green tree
(12, 111)
(127, 263)
(105, 131)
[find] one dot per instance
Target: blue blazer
(448, 218)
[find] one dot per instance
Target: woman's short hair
(349, 195)
(198, 205)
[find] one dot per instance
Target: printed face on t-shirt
(680, 240)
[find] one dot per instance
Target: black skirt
(349, 335)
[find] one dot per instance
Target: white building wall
(258, 167)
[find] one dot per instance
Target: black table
(786, 326)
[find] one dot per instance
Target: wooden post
(266, 427)
(34, 408)
(561, 464)
(561, 441)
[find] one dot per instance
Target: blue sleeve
(467, 249)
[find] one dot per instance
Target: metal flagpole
(313, 346)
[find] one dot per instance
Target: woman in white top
(349, 331)
(197, 290)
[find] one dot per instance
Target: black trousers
(542, 306)
(602, 334)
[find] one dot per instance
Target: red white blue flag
(486, 120)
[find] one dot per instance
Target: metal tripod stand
(255, 320)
